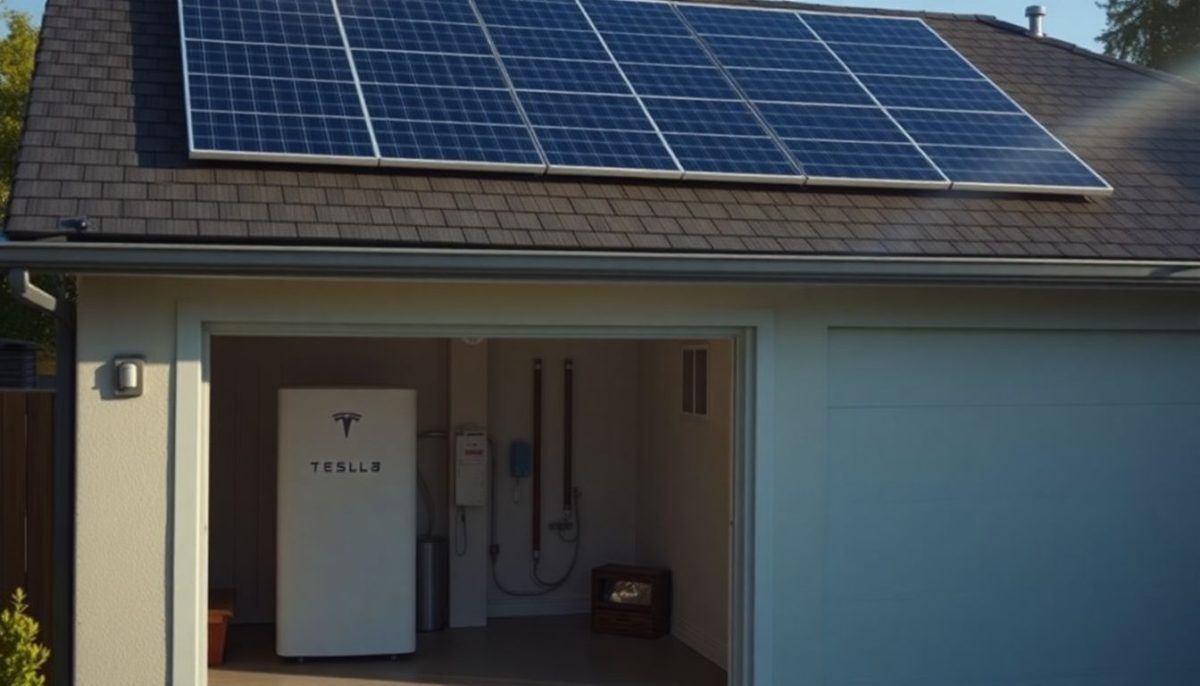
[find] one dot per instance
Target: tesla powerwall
(347, 522)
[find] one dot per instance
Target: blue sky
(1078, 21)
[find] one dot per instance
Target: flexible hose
(574, 541)
(546, 587)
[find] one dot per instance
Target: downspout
(63, 582)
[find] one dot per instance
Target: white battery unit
(347, 522)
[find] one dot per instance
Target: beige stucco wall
(683, 481)
(126, 460)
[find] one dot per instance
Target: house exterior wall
(128, 462)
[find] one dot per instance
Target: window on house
(695, 380)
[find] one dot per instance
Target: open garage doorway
(593, 546)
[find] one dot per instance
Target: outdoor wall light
(127, 376)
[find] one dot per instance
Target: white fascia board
(535, 265)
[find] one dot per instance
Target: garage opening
(563, 511)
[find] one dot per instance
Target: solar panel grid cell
(286, 96)
(715, 117)
(260, 26)
(713, 21)
(679, 81)
(428, 69)
(794, 55)
(554, 14)
(373, 33)
(411, 142)
(270, 61)
(772, 85)
(597, 149)
(524, 41)
(903, 91)
(898, 61)
(827, 161)
(825, 122)
(872, 30)
(563, 75)
(428, 103)
(287, 135)
(458, 11)
(721, 155)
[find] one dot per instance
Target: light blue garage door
(1013, 508)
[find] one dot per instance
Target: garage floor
(526, 651)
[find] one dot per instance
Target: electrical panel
(470, 469)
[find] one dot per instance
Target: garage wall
(127, 463)
(246, 376)
(683, 474)
(605, 455)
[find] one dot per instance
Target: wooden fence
(26, 500)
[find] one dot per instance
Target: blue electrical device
(520, 459)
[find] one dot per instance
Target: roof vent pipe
(1037, 20)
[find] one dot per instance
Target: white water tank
(346, 522)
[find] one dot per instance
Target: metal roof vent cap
(1037, 20)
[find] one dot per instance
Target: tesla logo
(346, 418)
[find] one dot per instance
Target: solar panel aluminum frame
(807, 178)
(282, 158)
(459, 165)
(1106, 190)
(1091, 191)
(798, 179)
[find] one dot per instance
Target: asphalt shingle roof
(106, 140)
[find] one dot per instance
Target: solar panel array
(620, 87)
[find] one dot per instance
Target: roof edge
(527, 265)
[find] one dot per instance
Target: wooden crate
(641, 617)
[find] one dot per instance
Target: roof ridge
(1088, 53)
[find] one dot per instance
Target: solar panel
(432, 88)
(711, 130)
(269, 83)
(638, 87)
(975, 134)
(581, 108)
(802, 91)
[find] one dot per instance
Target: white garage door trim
(751, 558)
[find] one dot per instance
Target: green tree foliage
(21, 656)
(1164, 34)
(16, 72)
